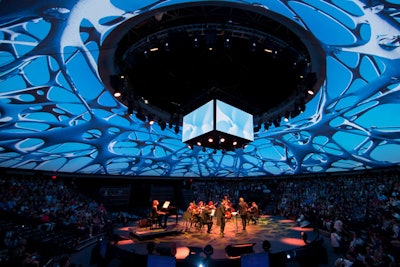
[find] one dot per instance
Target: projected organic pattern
(56, 115)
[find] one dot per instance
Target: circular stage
(273, 238)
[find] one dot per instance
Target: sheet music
(166, 204)
(212, 212)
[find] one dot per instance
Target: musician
(254, 212)
(221, 211)
(207, 215)
(242, 209)
(197, 214)
(159, 216)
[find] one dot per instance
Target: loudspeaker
(239, 249)
(166, 249)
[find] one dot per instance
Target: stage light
(196, 43)
(290, 255)
(150, 117)
(253, 47)
(117, 94)
(130, 110)
(140, 115)
(266, 245)
(162, 124)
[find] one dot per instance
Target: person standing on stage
(221, 211)
(207, 215)
(242, 209)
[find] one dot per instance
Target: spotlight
(117, 94)
(176, 129)
(227, 43)
(208, 250)
(130, 110)
(266, 245)
(291, 254)
(196, 43)
(151, 119)
(276, 122)
(163, 125)
(253, 47)
(140, 115)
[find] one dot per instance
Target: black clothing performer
(242, 208)
(221, 211)
(159, 216)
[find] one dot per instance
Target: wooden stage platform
(279, 237)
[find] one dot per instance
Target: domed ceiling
(58, 60)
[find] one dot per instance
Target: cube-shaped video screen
(218, 125)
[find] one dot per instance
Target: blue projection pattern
(57, 115)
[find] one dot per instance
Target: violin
(228, 214)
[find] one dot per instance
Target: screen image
(234, 121)
(57, 114)
(198, 122)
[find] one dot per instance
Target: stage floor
(280, 233)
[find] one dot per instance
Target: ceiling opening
(174, 60)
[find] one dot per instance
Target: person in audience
(22, 258)
(335, 239)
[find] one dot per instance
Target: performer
(159, 216)
(254, 212)
(242, 209)
(207, 215)
(229, 207)
(221, 213)
(197, 215)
